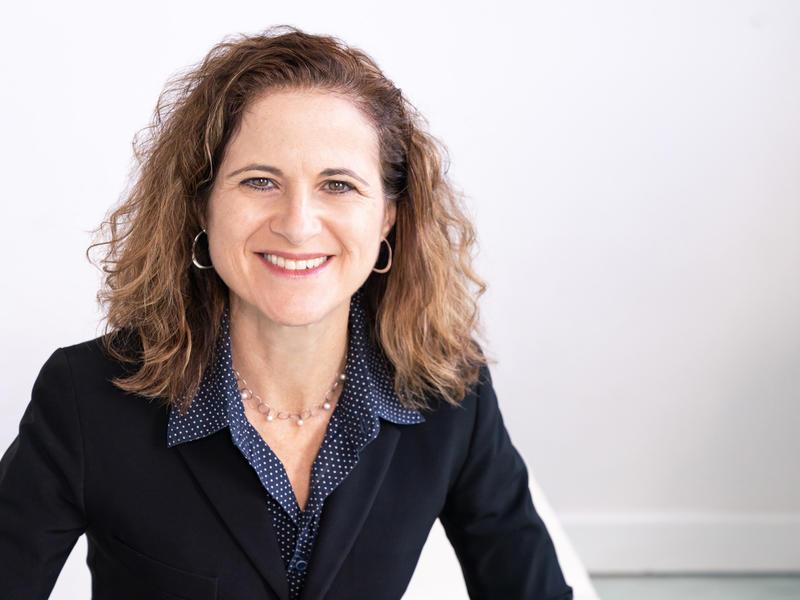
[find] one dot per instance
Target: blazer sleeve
(41, 487)
(500, 541)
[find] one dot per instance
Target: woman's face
(275, 193)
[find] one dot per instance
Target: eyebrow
(279, 173)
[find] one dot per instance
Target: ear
(389, 218)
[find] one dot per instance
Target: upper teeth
(295, 265)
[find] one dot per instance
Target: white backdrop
(633, 170)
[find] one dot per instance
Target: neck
(290, 367)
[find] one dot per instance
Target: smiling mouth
(295, 267)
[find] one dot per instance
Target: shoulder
(87, 350)
(61, 362)
(479, 397)
(91, 370)
(456, 425)
(90, 359)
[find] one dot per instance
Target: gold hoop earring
(388, 266)
(194, 259)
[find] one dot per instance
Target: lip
(290, 256)
(303, 274)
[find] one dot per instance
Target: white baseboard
(639, 543)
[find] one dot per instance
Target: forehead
(308, 127)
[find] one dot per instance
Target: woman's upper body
(191, 520)
(285, 177)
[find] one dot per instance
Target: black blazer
(191, 521)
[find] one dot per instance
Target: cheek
(232, 224)
(359, 231)
(228, 245)
(361, 246)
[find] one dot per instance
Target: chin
(297, 310)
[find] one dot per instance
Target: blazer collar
(237, 494)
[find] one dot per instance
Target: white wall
(633, 172)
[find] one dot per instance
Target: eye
(342, 191)
(257, 187)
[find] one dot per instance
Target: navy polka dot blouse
(367, 396)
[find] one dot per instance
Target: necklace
(267, 410)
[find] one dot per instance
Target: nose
(295, 217)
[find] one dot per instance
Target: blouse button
(300, 565)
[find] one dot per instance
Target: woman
(289, 279)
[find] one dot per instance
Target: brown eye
(248, 183)
(348, 187)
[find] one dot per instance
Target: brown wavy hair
(163, 315)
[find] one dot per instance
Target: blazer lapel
(238, 496)
(345, 510)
